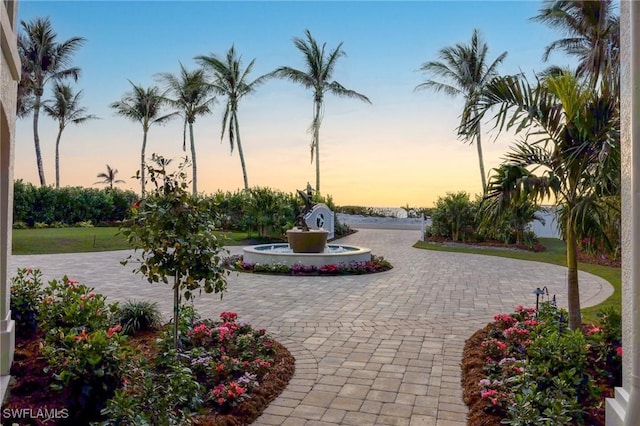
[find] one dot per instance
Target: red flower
(228, 316)
(115, 329)
(81, 336)
(619, 351)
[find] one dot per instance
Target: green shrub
(136, 316)
(453, 216)
(20, 225)
(83, 351)
(26, 295)
(69, 205)
(68, 306)
(539, 371)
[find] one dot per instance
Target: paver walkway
(380, 349)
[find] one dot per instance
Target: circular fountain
(282, 254)
(307, 241)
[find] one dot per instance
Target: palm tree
(191, 96)
(230, 80)
(570, 132)
(109, 177)
(593, 36)
(143, 106)
(466, 71)
(43, 59)
(65, 109)
(317, 76)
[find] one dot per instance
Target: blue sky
(401, 149)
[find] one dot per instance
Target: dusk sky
(400, 150)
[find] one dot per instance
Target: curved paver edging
(386, 346)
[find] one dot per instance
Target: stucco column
(9, 76)
(624, 409)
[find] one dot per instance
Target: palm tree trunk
(481, 160)
(316, 140)
(36, 139)
(58, 156)
(142, 162)
(240, 153)
(194, 167)
(573, 293)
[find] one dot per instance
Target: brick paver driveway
(381, 349)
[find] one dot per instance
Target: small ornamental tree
(175, 232)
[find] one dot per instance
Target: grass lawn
(556, 254)
(79, 240)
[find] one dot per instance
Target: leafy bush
(82, 348)
(271, 212)
(538, 370)
(46, 205)
(453, 216)
(136, 316)
(68, 306)
(26, 295)
(149, 396)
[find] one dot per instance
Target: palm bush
(453, 216)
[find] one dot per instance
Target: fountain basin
(310, 241)
(282, 254)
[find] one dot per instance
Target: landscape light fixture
(540, 292)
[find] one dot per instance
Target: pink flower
(81, 336)
(593, 330)
(228, 316)
(488, 393)
(506, 318)
(115, 329)
(619, 351)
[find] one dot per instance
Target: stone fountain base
(312, 241)
(281, 254)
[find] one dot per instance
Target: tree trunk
(240, 153)
(316, 138)
(58, 156)
(142, 162)
(481, 161)
(176, 309)
(194, 167)
(573, 289)
(36, 139)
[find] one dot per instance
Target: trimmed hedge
(69, 205)
(268, 212)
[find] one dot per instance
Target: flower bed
(376, 264)
(78, 367)
(529, 368)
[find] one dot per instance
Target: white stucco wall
(624, 409)
(9, 76)
(626, 140)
